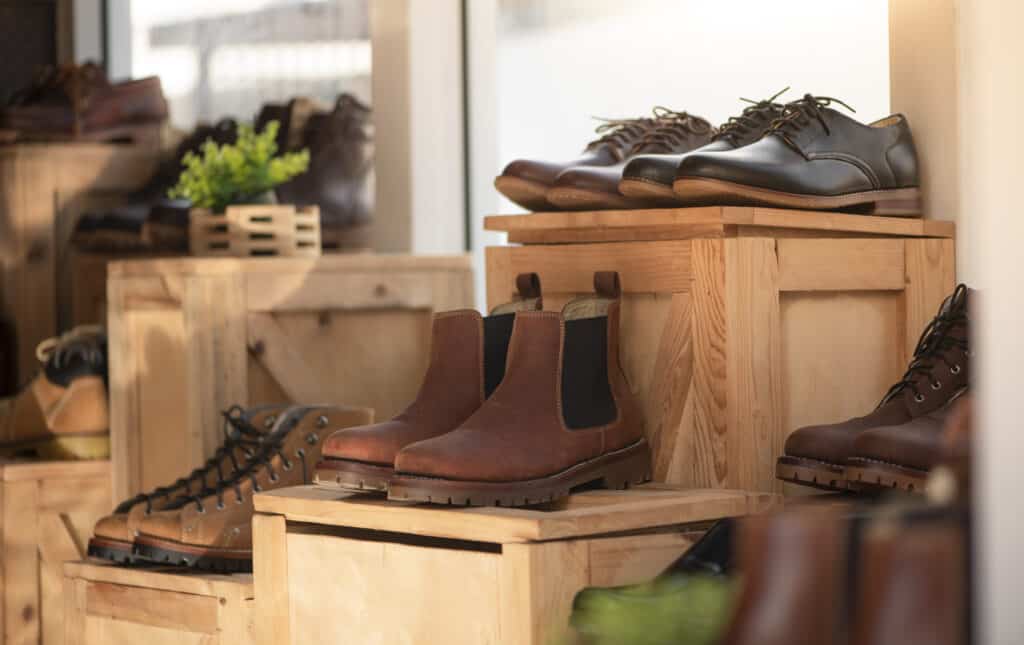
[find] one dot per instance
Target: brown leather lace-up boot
(563, 416)
(466, 365)
(114, 534)
(63, 413)
(213, 531)
(817, 455)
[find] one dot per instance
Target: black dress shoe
(650, 177)
(586, 187)
(812, 158)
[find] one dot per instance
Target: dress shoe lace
(239, 433)
(671, 131)
(934, 346)
(798, 114)
(86, 343)
(753, 119)
(620, 134)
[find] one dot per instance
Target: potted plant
(231, 189)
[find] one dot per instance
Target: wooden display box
(741, 324)
(44, 189)
(255, 230)
(47, 512)
(337, 568)
(112, 605)
(189, 337)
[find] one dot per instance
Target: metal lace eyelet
(257, 488)
(239, 500)
(919, 398)
(269, 421)
(312, 439)
(937, 385)
(220, 506)
(288, 465)
(321, 421)
(955, 369)
(274, 478)
(202, 510)
(300, 453)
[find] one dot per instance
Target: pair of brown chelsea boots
(898, 443)
(516, 408)
(204, 520)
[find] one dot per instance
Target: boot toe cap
(829, 443)
(657, 169)
(603, 179)
(906, 446)
(166, 525)
(114, 527)
(374, 444)
(543, 172)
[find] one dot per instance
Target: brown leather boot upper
(556, 406)
(244, 430)
(467, 359)
(938, 371)
(223, 519)
(915, 444)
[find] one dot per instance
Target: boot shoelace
(238, 433)
(672, 130)
(85, 342)
(754, 118)
(262, 460)
(933, 345)
(798, 114)
(620, 134)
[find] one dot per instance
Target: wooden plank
(634, 559)
(270, 572)
(154, 607)
(830, 221)
(20, 558)
(12, 471)
(74, 611)
(840, 265)
(331, 263)
(57, 545)
(123, 384)
(654, 267)
(670, 385)
(87, 493)
(705, 437)
(347, 291)
(754, 381)
(930, 278)
(167, 578)
(639, 508)
(536, 603)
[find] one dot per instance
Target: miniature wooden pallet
(334, 567)
(256, 230)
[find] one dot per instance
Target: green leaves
(238, 173)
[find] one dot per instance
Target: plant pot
(246, 230)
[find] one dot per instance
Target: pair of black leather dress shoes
(803, 154)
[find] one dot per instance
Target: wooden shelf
(704, 222)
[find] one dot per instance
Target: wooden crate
(44, 189)
(338, 568)
(190, 337)
(255, 230)
(741, 324)
(111, 605)
(47, 512)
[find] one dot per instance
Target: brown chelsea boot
(114, 535)
(466, 365)
(213, 530)
(63, 412)
(563, 416)
(816, 456)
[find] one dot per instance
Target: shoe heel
(74, 448)
(630, 468)
(903, 203)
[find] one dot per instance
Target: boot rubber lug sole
(71, 448)
(658, 194)
(619, 469)
(159, 551)
(880, 474)
(585, 199)
(811, 472)
(528, 194)
(896, 202)
(351, 475)
(115, 551)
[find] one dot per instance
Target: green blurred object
(239, 173)
(675, 610)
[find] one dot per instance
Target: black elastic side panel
(497, 334)
(587, 400)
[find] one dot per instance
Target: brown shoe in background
(900, 456)
(526, 181)
(793, 567)
(78, 103)
(914, 582)
(467, 362)
(816, 456)
(597, 187)
(214, 531)
(63, 412)
(114, 535)
(562, 417)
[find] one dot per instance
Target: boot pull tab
(528, 296)
(528, 285)
(607, 285)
